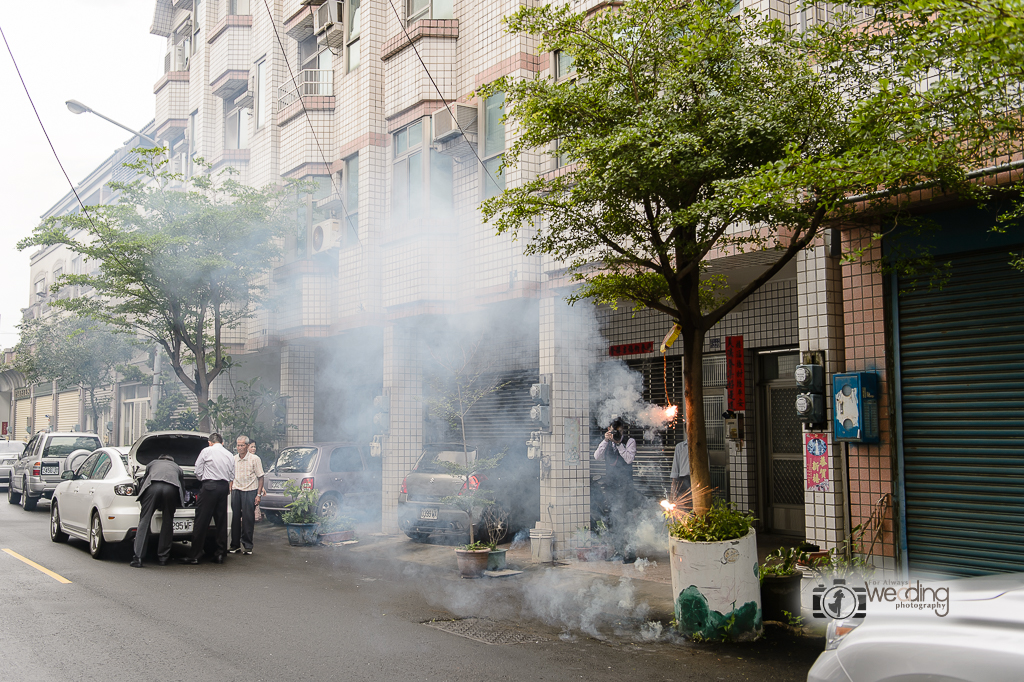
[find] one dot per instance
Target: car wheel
(56, 533)
(96, 543)
(28, 503)
(12, 497)
(329, 506)
(418, 537)
(274, 518)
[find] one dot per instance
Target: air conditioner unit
(325, 235)
(446, 126)
(327, 15)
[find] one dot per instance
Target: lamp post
(76, 107)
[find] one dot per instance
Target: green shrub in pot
(722, 522)
(302, 508)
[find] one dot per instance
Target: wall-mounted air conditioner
(446, 126)
(325, 235)
(327, 15)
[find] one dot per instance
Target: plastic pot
(472, 562)
(780, 593)
(496, 560)
(302, 534)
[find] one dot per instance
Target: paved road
(312, 614)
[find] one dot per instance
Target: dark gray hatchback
(347, 478)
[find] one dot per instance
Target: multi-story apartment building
(390, 267)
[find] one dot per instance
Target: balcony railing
(317, 82)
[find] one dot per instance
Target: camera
(617, 436)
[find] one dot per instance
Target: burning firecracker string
(671, 411)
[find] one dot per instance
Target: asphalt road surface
(289, 613)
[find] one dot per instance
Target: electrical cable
(39, 118)
(438, 90)
(305, 112)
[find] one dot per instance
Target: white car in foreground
(97, 500)
(980, 639)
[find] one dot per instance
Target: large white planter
(715, 587)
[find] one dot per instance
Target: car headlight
(838, 630)
(126, 489)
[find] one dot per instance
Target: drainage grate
(485, 631)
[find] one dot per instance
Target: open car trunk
(183, 446)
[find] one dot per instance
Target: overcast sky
(99, 52)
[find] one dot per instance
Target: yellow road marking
(58, 578)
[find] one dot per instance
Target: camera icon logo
(839, 601)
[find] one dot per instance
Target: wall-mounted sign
(734, 373)
(816, 450)
(631, 348)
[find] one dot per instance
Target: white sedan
(97, 500)
(979, 637)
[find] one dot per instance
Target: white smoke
(617, 391)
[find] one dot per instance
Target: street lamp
(76, 107)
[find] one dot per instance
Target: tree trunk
(696, 433)
(202, 394)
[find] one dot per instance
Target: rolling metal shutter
(22, 419)
(67, 410)
(44, 406)
(503, 417)
(961, 354)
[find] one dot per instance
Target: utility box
(855, 407)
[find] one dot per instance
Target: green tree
(692, 131)
(254, 410)
(180, 260)
(74, 351)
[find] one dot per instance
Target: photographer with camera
(618, 451)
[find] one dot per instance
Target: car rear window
(433, 462)
(62, 446)
(295, 461)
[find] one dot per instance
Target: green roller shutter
(961, 354)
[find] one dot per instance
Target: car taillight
(124, 489)
(474, 483)
(35, 468)
(404, 491)
(307, 484)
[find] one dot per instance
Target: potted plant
(301, 520)
(715, 575)
(337, 528)
(590, 545)
(810, 554)
(496, 524)
(780, 585)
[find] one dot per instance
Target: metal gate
(961, 391)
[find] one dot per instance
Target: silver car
(10, 452)
(980, 637)
(37, 472)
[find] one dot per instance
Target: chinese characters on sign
(631, 348)
(816, 453)
(734, 373)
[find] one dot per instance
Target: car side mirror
(68, 475)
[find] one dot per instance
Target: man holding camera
(618, 451)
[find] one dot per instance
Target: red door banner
(816, 455)
(734, 373)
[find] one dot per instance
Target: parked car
(344, 474)
(514, 485)
(97, 500)
(37, 472)
(10, 452)
(980, 639)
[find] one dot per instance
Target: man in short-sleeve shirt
(246, 490)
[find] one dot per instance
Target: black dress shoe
(188, 560)
(218, 559)
(161, 562)
(136, 563)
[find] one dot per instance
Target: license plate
(182, 525)
(50, 470)
(276, 485)
(429, 513)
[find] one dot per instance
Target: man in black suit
(162, 488)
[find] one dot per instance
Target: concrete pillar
(403, 443)
(820, 305)
(566, 337)
(297, 365)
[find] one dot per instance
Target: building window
(429, 9)
(494, 145)
(352, 41)
(422, 180)
(350, 189)
(564, 65)
(39, 289)
(236, 128)
(195, 25)
(307, 213)
(193, 144)
(238, 7)
(261, 95)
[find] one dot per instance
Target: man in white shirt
(246, 490)
(618, 451)
(215, 469)
(681, 471)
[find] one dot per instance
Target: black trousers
(213, 504)
(243, 517)
(165, 497)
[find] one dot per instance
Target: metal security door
(785, 474)
(961, 397)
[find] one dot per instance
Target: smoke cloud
(617, 392)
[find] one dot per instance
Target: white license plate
(182, 525)
(51, 470)
(276, 485)
(429, 513)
